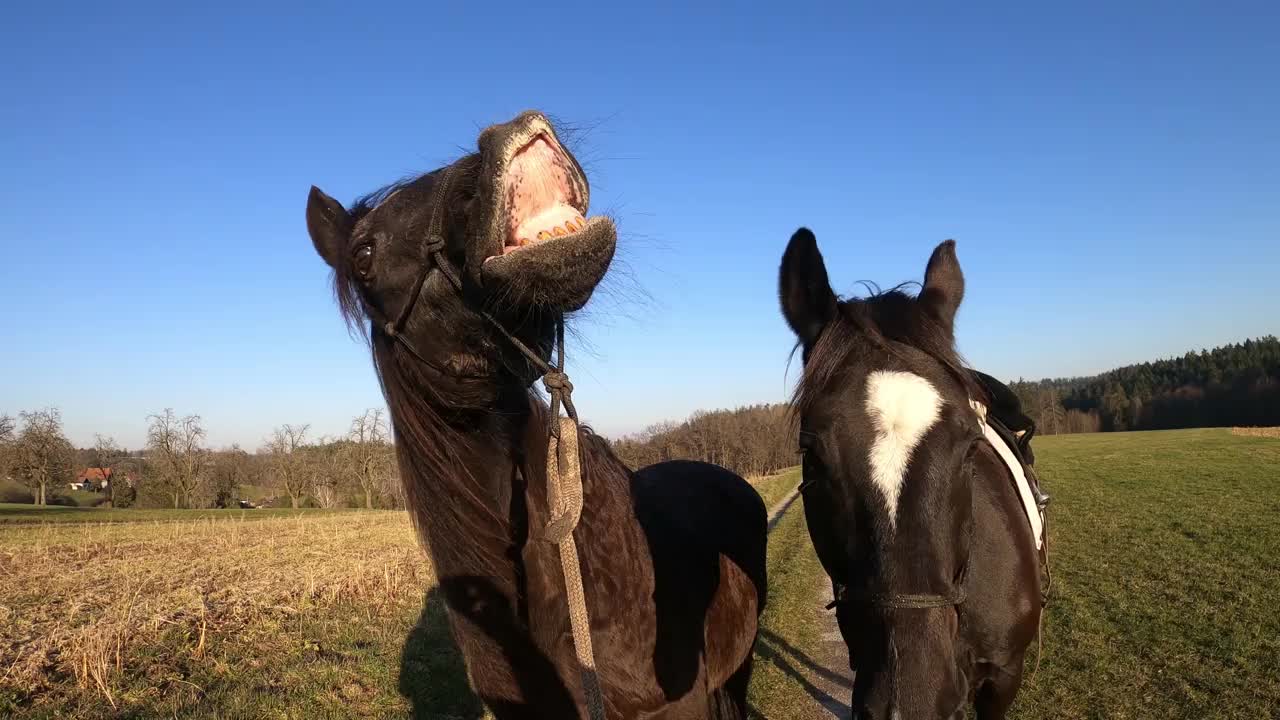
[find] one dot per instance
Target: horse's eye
(363, 261)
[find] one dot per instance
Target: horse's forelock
(878, 322)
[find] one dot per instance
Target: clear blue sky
(1112, 176)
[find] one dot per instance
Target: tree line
(753, 440)
(177, 469)
(1232, 385)
(1235, 384)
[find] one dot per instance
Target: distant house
(97, 479)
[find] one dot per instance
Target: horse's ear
(943, 284)
(808, 303)
(329, 225)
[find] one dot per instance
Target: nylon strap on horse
(564, 468)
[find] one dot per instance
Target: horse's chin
(559, 273)
(539, 247)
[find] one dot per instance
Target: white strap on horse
(1019, 474)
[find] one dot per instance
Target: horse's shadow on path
(805, 672)
(433, 677)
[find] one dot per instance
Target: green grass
(256, 492)
(773, 488)
(791, 625)
(11, 490)
(1165, 549)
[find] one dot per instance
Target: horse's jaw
(537, 246)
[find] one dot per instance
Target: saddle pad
(1019, 477)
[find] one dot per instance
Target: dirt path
(836, 682)
(817, 669)
(775, 512)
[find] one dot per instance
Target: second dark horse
(912, 512)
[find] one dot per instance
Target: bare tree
(229, 469)
(328, 462)
(109, 456)
(288, 460)
(7, 427)
(390, 487)
(179, 460)
(372, 459)
(42, 454)
(1050, 411)
(751, 440)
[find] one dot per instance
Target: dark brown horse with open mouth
(464, 276)
(913, 514)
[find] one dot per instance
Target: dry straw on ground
(83, 601)
(1270, 432)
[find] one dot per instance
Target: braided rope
(564, 475)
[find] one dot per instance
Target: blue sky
(1111, 174)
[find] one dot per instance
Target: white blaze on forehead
(903, 406)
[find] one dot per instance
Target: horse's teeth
(544, 235)
(558, 231)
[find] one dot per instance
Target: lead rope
(564, 500)
(564, 467)
(564, 473)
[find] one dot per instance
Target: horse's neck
(491, 495)
(605, 479)
(458, 472)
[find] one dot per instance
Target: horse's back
(707, 529)
(706, 503)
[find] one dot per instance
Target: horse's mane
(441, 494)
(883, 322)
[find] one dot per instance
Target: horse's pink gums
(540, 204)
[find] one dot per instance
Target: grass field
(13, 491)
(1166, 603)
(1166, 558)
(289, 617)
(1164, 554)
(16, 513)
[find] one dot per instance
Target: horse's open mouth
(540, 196)
(539, 246)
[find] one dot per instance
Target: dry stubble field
(1165, 557)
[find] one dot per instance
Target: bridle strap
(564, 470)
(913, 601)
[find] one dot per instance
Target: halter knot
(435, 244)
(556, 381)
